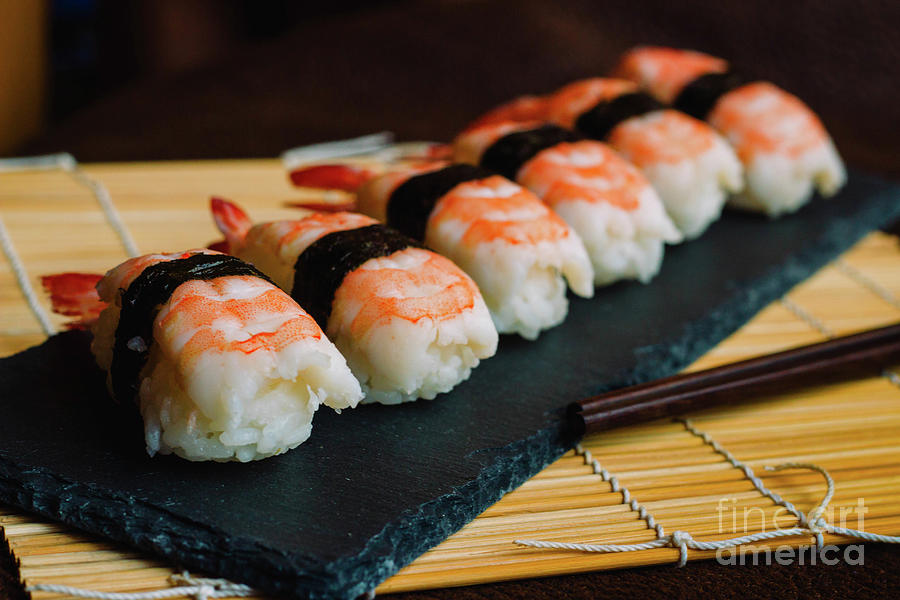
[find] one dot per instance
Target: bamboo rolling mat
(849, 429)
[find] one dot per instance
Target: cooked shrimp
(784, 147)
(515, 248)
(782, 144)
(664, 72)
(232, 368)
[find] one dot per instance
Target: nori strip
(411, 203)
(602, 118)
(321, 268)
(507, 155)
(141, 303)
(699, 96)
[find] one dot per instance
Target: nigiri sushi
(410, 323)
(785, 150)
(517, 250)
(221, 363)
(692, 168)
(603, 197)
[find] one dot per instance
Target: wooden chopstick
(759, 364)
(861, 354)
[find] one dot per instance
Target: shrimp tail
(331, 177)
(523, 108)
(231, 220)
(75, 295)
(219, 246)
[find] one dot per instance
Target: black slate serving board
(375, 487)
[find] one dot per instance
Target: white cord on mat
(807, 317)
(867, 282)
(813, 524)
(199, 588)
(21, 275)
(877, 289)
(820, 326)
(615, 486)
(66, 162)
(109, 210)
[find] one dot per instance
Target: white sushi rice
(694, 190)
(400, 360)
(622, 244)
(229, 405)
(778, 185)
(524, 285)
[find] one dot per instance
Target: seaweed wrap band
(140, 305)
(699, 96)
(603, 117)
(321, 268)
(507, 155)
(413, 201)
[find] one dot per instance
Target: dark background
(180, 79)
(171, 79)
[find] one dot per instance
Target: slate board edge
(200, 547)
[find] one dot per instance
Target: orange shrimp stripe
(194, 306)
(391, 293)
(519, 218)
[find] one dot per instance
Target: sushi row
(521, 254)
(700, 131)
(627, 172)
(229, 356)
(228, 360)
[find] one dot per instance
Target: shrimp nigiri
(603, 197)
(410, 322)
(785, 150)
(516, 249)
(222, 364)
(692, 168)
